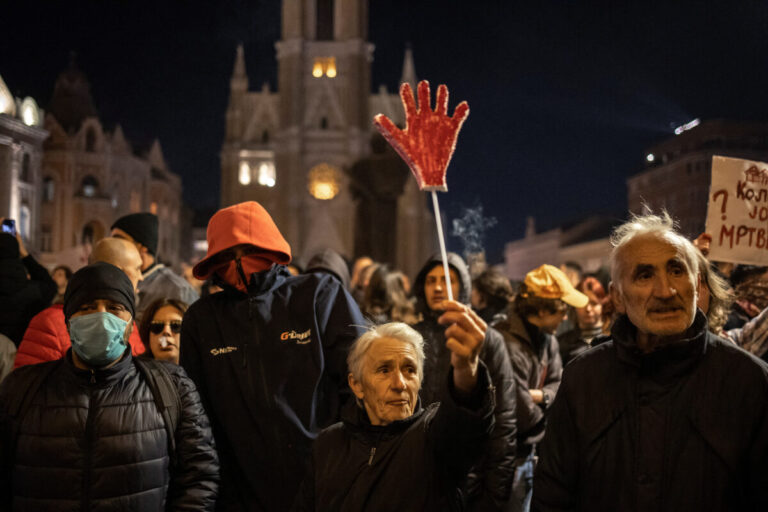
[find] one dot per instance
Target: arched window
(90, 140)
(26, 173)
(323, 123)
(25, 219)
(49, 189)
(89, 186)
(265, 137)
(87, 236)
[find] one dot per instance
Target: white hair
(661, 226)
(396, 330)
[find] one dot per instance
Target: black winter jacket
(489, 482)
(271, 369)
(94, 440)
(537, 365)
(22, 298)
(416, 464)
(682, 428)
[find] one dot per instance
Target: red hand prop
(429, 138)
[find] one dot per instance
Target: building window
(324, 66)
(45, 238)
(267, 174)
(49, 189)
(25, 221)
(90, 140)
(244, 174)
(324, 20)
(265, 137)
(89, 186)
(323, 123)
(323, 182)
(26, 173)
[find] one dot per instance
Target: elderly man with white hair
(666, 416)
(388, 453)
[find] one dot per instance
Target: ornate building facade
(21, 154)
(306, 152)
(93, 176)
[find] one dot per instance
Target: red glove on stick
(429, 138)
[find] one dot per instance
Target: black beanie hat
(9, 247)
(142, 227)
(99, 280)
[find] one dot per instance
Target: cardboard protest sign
(737, 216)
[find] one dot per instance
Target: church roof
(72, 101)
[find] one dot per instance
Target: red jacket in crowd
(47, 339)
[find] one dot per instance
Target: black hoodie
(489, 483)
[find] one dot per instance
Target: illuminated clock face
(324, 182)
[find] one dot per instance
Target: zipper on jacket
(245, 354)
(373, 452)
(93, 376)
(87, 469)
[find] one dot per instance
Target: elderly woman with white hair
(389, 453)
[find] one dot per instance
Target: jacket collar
(355, 417)
(668, 361)
(100, 377)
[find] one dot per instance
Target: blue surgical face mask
(97, 338)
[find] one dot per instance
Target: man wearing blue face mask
(91, 430)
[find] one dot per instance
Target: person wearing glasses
(160, 329)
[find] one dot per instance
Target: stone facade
(21, 152)
(294, 150)
(93, 176)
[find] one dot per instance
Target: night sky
(564, 96)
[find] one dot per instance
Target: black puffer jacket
(682, 428)
(489, 483)
(94, 440)
(22, 298)
(415, 464)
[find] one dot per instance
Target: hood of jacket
(242, 224)
(458, 265)
(330, 261)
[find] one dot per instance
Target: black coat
(489, 482)
(413, 464)
(682, 428)
(96, 441)
(22, 298)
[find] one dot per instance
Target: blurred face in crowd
(435, 289)
(549, 321)
(165, 334)
(656, 285)
(60, 277)
(390, 381)
(591, 315)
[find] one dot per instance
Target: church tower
(294, 150)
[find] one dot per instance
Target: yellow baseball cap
(550, 282)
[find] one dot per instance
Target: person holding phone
(26, 287)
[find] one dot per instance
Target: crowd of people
(349, 386)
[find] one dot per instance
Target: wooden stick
(442, 245)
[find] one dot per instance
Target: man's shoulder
(590, 365)
(727, 357)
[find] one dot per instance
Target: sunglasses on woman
(157, 327)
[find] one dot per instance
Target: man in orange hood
(268, 355)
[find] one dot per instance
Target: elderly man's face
(390, 383)
(656, 287)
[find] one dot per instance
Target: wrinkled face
(167, 318)
(435, 289)
(656, 285)
(390, 383)
(590, 315)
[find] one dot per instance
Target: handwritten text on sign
(737, 217)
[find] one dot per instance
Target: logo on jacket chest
(301, 338)
(222, 350)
